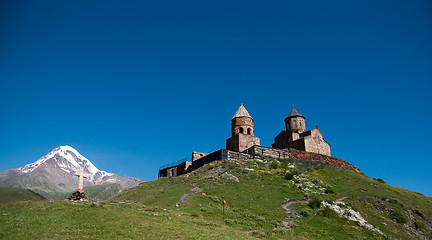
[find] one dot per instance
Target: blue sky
(135, 85)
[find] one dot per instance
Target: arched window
(241, 130)
(249, 131)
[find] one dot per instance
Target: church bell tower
(242, 131)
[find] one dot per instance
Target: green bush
(274, 165)
(286, 160)
(289, 176)
(328, 213)
(419, 225)
(329, 190)
(315, 203)
(304, 213)
(398, 217)
(379, 180)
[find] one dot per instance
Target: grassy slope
(18, 194)
(254, 203)
(102, 192)
(253, 207)
(65, 220)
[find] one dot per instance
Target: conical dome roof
(294, 113)
(241, 112)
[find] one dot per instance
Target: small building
(242, 131)
(175, 169)
(295, 136)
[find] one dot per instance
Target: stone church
(294, 143)
(295, 136)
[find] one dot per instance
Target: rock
(230, 177)
(78, 196)
(182, 199)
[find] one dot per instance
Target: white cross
(81, 175)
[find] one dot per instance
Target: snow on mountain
(53, 175)
(69, 160)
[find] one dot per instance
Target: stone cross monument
(81, 175)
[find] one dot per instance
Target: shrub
(274, 165)
(328, 213)
(329, 190)
(398, 217)
(418, 225)
(315, 203)
(304, 213)
(286, 160)
(289, 176)
(379, 180)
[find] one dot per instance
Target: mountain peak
(66, 158)
(54, 174)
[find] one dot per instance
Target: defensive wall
(266, 151)
(181, 167)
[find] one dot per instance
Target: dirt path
(195, 189)
(291, 213)
(342, 198)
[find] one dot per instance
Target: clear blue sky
(133, 85)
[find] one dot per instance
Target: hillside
(8, 195)
(95, 192)
(266, 199)
(312, 194)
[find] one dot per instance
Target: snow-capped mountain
(67, 159)
(55, 172)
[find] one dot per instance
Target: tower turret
(242, 122)
(242, 131)
(295, 122)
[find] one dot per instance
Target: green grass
(18, 194)
(254, 203)
(155, 210)
(65, 220)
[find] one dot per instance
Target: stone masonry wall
(237, 155)
(320, 159)
(266, 151)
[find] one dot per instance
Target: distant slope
(8, 195)
(319, 201)
(102, 192)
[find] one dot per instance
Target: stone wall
(266, 151)
(309, 157)
(237, 155)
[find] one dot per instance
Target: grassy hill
(266, 199)
(8, 195)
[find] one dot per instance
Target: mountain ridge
(54, 174)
